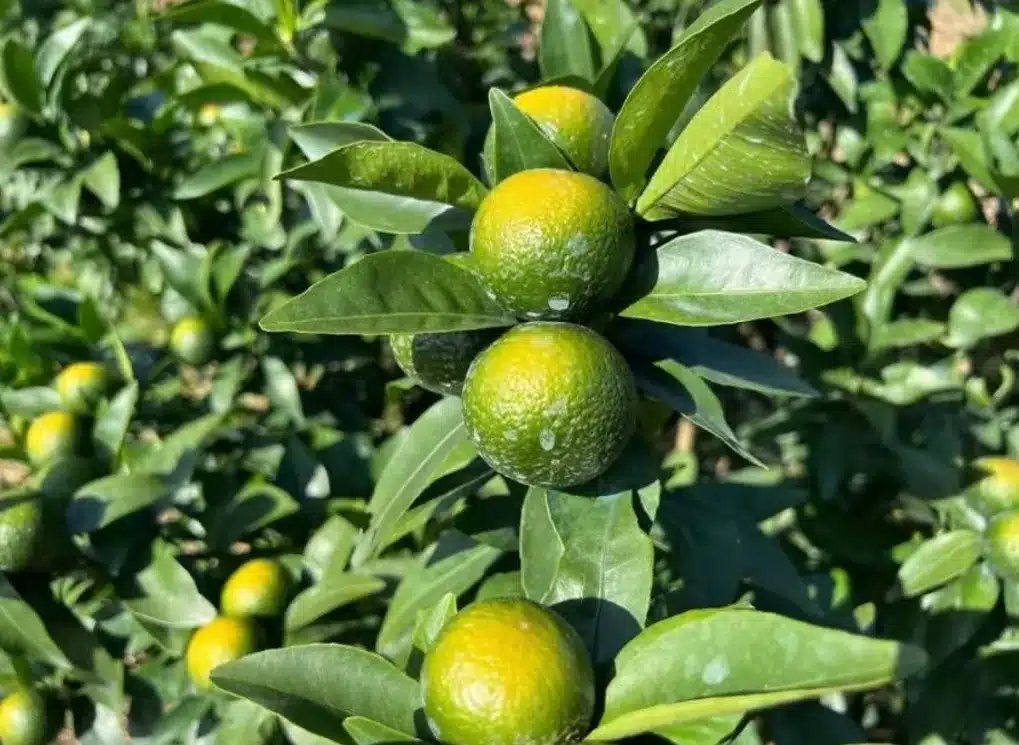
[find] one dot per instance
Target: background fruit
(550, 404)
(552, 244)
(1003, 543)
(999, 489)
(12, 123)
(955, 205)
(22, 532)
(23, 719)
(256, 588)
(218, 642)
(81, 385)
(531, 665)
(192, 340)
(578, 123)
(51, 435)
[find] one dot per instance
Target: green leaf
(959, 246)
(748, 121)
(655, 103)
(711, 278)
(978, 314)
(331, 593)
(939, 560)
(318, 139)
(590, 557)
(397, 187)
(317, 686)
(220, 174)
(282, 389)
(392, 292)
(906, 332)
(228, 14)
(782, 35)
(842, 78)
(431, 622)
(367, 18)
(106, 500)
(368, 732)
(19, 76)
(565, 43)
(968, 147)
(519, 143)
(886, 30)
(187, 441)
(113, 418)
(614, 26)
(163, 593)
(792, 221)
(929, 74)
(249, 510)
(868, 208)
(30, 402)
(329, 548)
(706, 663)
(102, 178)
(57, 46)
(808, 23)
(22, 631)
(976, 57)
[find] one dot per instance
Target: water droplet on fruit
(559, 303)
(547, 439)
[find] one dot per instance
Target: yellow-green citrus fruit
(220, 641)
(22, 533)
(550, 404)
(13, 123)
(579, 124)
(81, 385)
(257, 588)
(23, 718)
(439, 362)
(1002, 538)
(506, 672)
(998, 490)
(955, 206)
(51, 435)
(552, 244)
(192, 340)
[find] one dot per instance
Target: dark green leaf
(22, 631)
(220, 174)
(318, 139)
(163, 593)
(19, 76)
(108, 499)
(56, 48)
(331, 593)
(519, 143)
(565, 43)
(886, 30)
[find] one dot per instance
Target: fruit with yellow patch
(508, 671)
(998, 490)
(23, 718)
(1002, 537)
(13, 123)
(257, 588)
(550, 404)
(51, 435)
(220, 641)
(192, 340)
(552, 245)
(81, 385)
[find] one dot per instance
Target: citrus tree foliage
(228, 205)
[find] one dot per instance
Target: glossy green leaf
(113, 418)
(111, 498)
(960, 246)
(968, 147)
(808, 22)
(57, 46)
(792, 221)
(303, 685)
(318, 139)
(22, 631)
(782, 35)
(929, 74)
(659, 97)
(842, 78)
(218, 175)
(939, 560)
(614, 26)
(392, 292)
(748, 121)
(712, 278)
(565, 42)
(906, 332)
(252, 508)
(221, 13)
(102, 178)
(188, 441)
(19, 76)
(706, 663)
(886, 30)
(519, 143)
(329, 548)
(591, 556)
(430, 622)
(30, 402)
(975, 58)
(981, 313)
(331, 593)
(163, 593)
(368, 732)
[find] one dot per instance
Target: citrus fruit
(999, 489)
(955, 206)
(1002, 537)
(51, 435)
(552, 244)
(508, 671)
(23, 719)
(192, 340)
(550, 404)
(220, 641)
(22, 532)
(579, 124)
(13, 123)
(257, 588)
(81, 385)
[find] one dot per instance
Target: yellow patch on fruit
(257, 588)
(51, 435)
(192, 340)
(23, 719)
(81, 385)
(220, 641)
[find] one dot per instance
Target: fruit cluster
(550, 402)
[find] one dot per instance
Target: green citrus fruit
(579, 124)
(550, 404)
(257, 588)
(998, 490)
(552, 244)
(81, 385)
(13, 123)
(1002, 536)
(955, 206)
(192, 340)
(508, 671)
(22, 532)
(218, 642)
(23, 718)
(51, 435)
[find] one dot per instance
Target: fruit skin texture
(1002, 536)
(23, 719)
(550, 404)
(508, 671)
(81, 385)
(51, 435)
(257, 588)
(552, 245)
(220, 641)
(13, 123)
(22, 532)
(192, 340)
(578, 123)
(955, 206)
(999, 489)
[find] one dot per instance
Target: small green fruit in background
(51, 435)
(81, 385)
(13, 123)
(553, 245)
(218, 642)
(955, 206)
(1002, 537)
(23, 719)
(998, 490)
(550, 404)
(22, 532)
(192, 340)
(256, 588)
